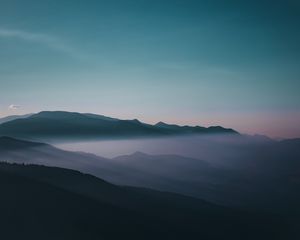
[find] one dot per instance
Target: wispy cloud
(41, 38)
(13, 107)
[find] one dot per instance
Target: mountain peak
(136, 121)
(163, 124)
(56, 114)
(50, 125)
(160, 124)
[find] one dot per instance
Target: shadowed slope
(264, 176)
(51, 203)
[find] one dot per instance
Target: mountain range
(40, 202)
(268, 172)
(233, 185)
(59, 125)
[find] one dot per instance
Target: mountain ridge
(59, 203)
(52, 125)
(253, 181)
(13, 117)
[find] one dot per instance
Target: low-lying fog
(191, 146)
(240, 169)
(210, 148)
(223, 169)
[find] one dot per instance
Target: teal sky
(229, 63)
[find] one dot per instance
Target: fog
(225, 169)
(228, 170)
(216, 149)
(191, 146)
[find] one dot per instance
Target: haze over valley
(149, 120)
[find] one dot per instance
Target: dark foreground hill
(52, 203)
(73, 126)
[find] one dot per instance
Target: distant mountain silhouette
(52, 203)
(71, 126)
(13, 117)
(196, 129)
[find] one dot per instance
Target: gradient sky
(229, 63)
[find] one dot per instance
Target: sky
(229, 63)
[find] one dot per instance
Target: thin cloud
(45, 39)
(13, 107)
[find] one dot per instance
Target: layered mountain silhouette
(72, 126)
(52, 203)
(268, 171)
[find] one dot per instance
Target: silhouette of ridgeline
(71, 125)
(52, 203)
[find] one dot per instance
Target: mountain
(196, 129)
(53, 203)
(13, 117)
(255, 176)
(263, 176)
(60, 125)
(96, 116)
(11, 144)
(20, 151)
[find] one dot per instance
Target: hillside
(52, 203)
(255, 176)
(59, 125)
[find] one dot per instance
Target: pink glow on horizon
(274, 125)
